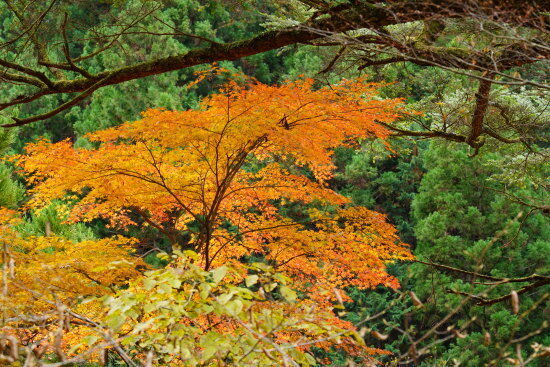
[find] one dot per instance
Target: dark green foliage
(11, 191)
(463, 219)
(382, 181)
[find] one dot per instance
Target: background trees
(478, 229)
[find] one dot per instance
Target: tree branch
(326, 22)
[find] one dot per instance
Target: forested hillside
(274, 183)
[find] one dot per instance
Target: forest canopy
(274, 183)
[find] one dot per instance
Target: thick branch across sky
(360, 15)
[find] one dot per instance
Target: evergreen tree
(463, 219)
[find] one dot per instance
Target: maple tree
(218, 186)
(217, 181)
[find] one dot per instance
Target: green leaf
(224, 298)
(163, 256)
(218, 273)
(115, 321)
(149, 283)
(90, 339)
(288, 293)
(270, 286)
(208, 352)
(234, 307)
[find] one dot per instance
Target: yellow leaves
(51, 269)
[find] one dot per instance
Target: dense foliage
(263, 212)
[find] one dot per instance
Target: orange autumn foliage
(219, 180)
